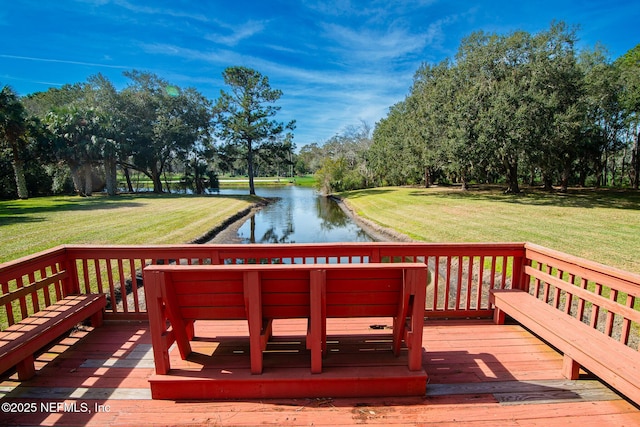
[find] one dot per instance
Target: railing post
(70, 285)
(375, 255)
(519, 278)
(215, 257)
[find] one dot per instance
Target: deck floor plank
(480, 374)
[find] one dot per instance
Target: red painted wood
(157, 320)
(173, 298)
(610, 360)
(21, 340)
(317, 334)
(253, 304)
(298, 383)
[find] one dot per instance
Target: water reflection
(300, 215)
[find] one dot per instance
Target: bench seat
(20, 341)
(610, 360)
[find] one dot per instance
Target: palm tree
(12, 130)
(78, 143)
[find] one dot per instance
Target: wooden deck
(480, 374)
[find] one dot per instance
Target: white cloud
(156, 11)
(373, 45)
(374, 9)
(237, 32)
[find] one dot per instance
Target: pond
(300, 215)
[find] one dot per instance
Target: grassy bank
(28, 226)
(603, 226)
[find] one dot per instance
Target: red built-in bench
(46, 313)
(259, 294)
(586, 310)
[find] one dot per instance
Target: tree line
(509, 109)
(84, 137)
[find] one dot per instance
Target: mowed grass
(29, 226)
(603, 226)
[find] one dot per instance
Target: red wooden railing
(460, 276)
(605, 298)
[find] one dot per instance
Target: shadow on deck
(479, 374)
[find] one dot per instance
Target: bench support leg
(253, 307)
(26, 368)
(570, 369)
(416, 280)
(317, 334)
(157, 322)
(499, 316)
(96, 319)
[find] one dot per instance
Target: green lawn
(603, 226)
(29, 226)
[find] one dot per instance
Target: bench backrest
(217, 292)
(363, 292)
(27, 290)
(605, 298)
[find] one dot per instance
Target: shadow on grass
(17, 219)
(367, 192)
(36, 209)
(13, 210)
(576, 198)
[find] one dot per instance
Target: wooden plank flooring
(480, 374)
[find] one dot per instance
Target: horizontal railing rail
(460, 274)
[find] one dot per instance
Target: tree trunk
(198, 180)
(21, 182)
(252, 188)
(77, 179)
(157, 179)
(566, 173)
(532, 177)
(635, 162)
(88, 180)
(605, 176)
(513, 186)
(127, 176)
(111, 180)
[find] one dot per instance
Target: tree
(605, 116)
(629, 71)
(345, 160)
(556, 101)
(78, 143)
(73, 134)
(165, 123)
(12, 130)
(103, 96)
(244, 115)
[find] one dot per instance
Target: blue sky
(338, 62)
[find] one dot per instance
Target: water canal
(300, 215)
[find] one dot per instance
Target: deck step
(371, 381)
(356, 365)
